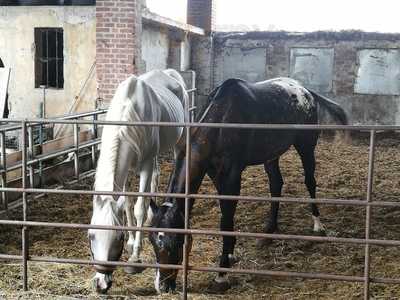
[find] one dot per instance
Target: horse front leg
(230, 185)
(140, 212)
(153, 189)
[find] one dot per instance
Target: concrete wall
(164, 46)
(326, 61)
(17, 51)
(155, 48)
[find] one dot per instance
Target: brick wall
(202, 13)
(118, 52)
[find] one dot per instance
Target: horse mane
(122, 108)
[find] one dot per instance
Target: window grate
(49, 58)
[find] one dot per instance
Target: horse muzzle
(102, 282)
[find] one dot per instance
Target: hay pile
(341, 173)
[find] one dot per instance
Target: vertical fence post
(185, 260)
(30, 156)
(368, 215)
(25, 242)
(4, 171)
(76, 152)
(193, 98)
(95, 136)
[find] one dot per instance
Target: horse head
(105, 245)
(168, 247)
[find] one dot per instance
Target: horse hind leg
(306, 152)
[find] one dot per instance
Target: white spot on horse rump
(296, 91)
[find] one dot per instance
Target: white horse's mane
(122, 108)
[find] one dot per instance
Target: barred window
(49, 58)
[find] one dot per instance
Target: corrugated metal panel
(378, 72)
(313, 67)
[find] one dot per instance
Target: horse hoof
(263, 242)
(233, 260)
(219, 287)
(133, 269)
(320, 233)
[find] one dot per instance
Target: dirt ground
(341, 173)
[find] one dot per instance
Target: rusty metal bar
(371, 160)
(323, 276)
(185, 261)
(212, 197)
(44, 157)
(212, 125)
(76, 150)
(30, 156)
(192, 107)
(95, 136)
(25, 232)
(64, 117)
(207, 232)
(4, 166)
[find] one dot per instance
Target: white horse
(155, 96)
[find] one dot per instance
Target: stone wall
(330, 62)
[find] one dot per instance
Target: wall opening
(49, 58)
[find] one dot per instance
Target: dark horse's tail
(331, 107)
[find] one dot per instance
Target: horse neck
(177, 182)
(112, 175)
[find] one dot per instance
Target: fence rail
(366, 279)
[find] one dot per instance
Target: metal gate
(185, 267)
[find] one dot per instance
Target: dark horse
(223, 154)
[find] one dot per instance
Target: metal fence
(185, 267)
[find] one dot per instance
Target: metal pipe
(4, 166)
(76, 151)
(212, 125)
(25, 245)
(65, 117)
(206, 197)
(44, 157)
(367, 262)
(30, 156)
(185, 261)
(287, 237)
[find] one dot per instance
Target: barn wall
(166, 43)
(326, 61)
(17, 51)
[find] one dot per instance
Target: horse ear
(97, 201)
(121, 203)
(154, 206)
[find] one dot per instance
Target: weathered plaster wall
(268, 54)
(155, 48)
(165, 47)
(17, 50)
